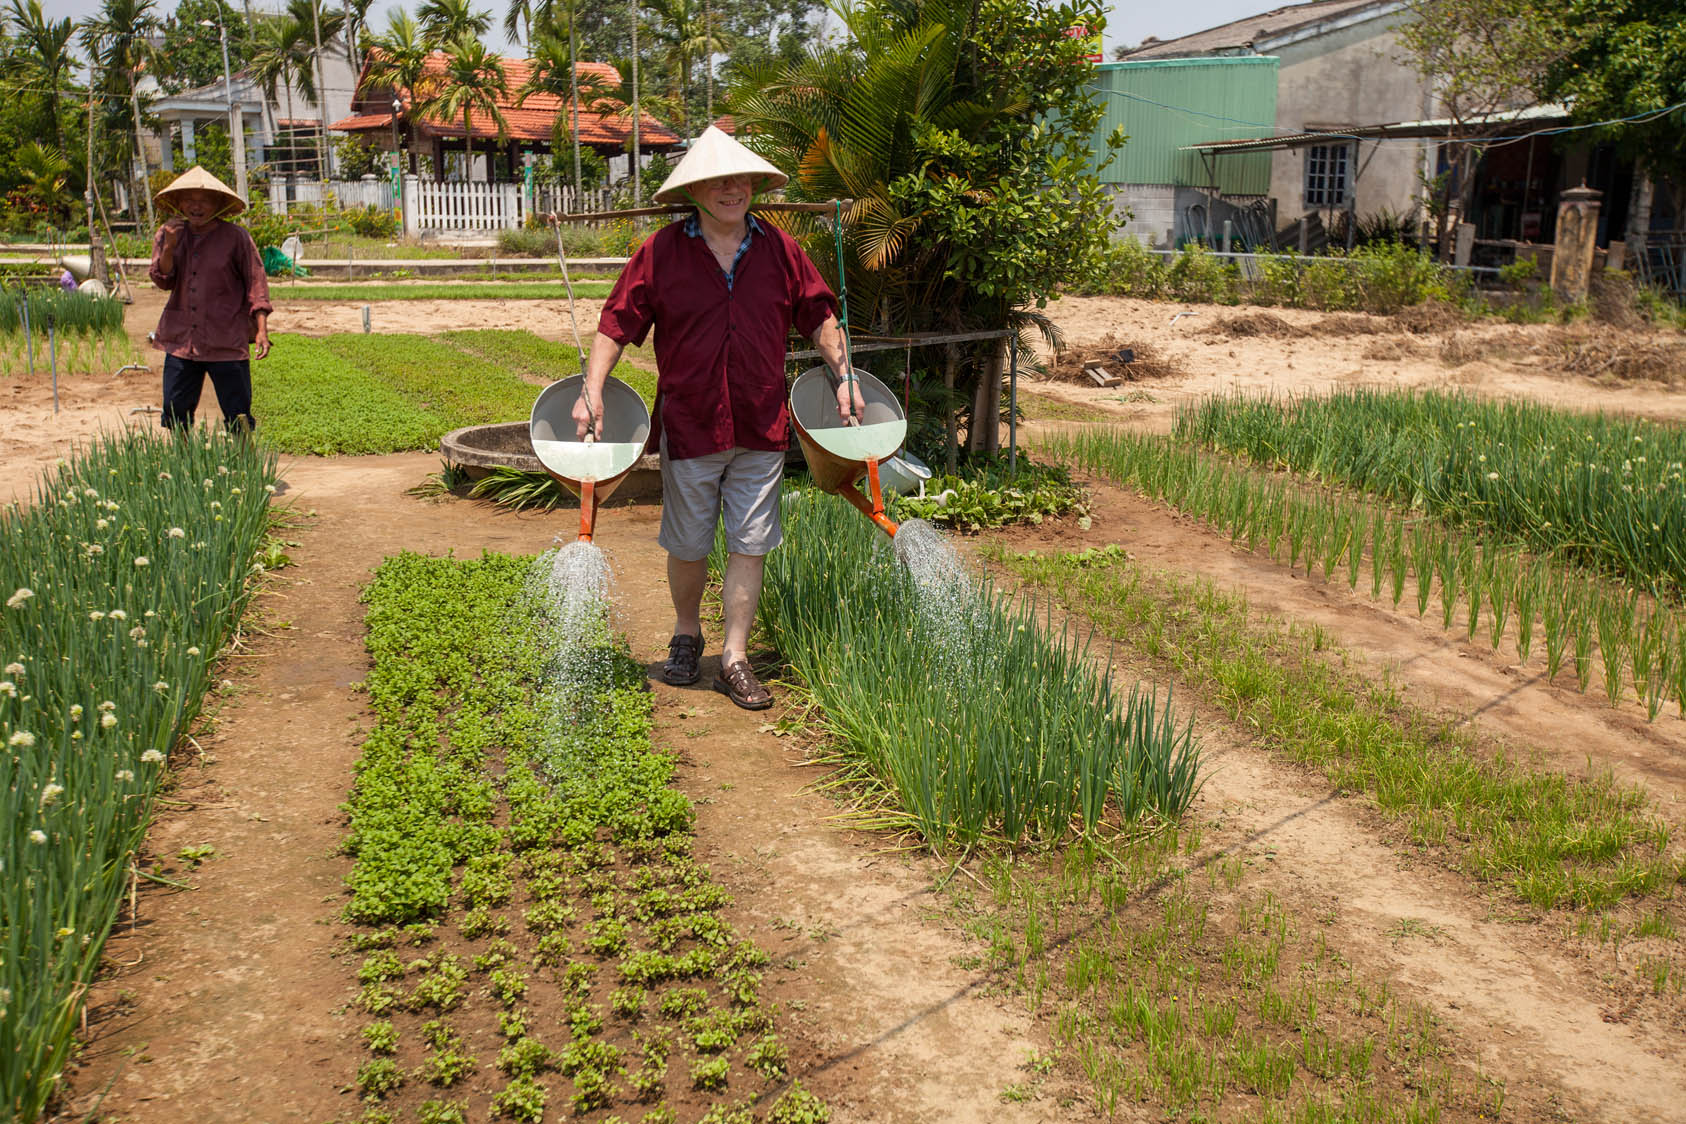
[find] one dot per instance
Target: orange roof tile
(600, 119)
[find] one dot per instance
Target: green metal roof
(1168, 105)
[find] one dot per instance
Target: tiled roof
(1241, 34)
(601, 119)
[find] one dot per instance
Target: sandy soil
(225, 1003)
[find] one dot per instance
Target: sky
(1127, 22)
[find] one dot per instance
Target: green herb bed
(443, 291)
(546, 359)
(1484, 585)
(537, 939)
(121, 583)
(362, 394)
(1014, 734)
(1608, 491)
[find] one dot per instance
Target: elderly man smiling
(722, 291)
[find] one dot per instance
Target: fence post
(409, 204)
(1577, 239)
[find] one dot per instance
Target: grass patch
(512, 290)
(1546, 838)
(365, 394)
(1044, 407)
(1203, 998)
(535, 930)
(547, 359)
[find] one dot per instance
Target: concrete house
(1336, 67)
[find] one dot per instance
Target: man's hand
(171, 231)
(851, 406)
(584, 419)
(260, 346)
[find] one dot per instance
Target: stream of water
(951, 615)
(571, 584)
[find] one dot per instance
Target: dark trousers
(184, 379)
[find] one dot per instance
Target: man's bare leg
(685, 581)
(742, 595)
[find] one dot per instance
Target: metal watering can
(840, 455)
(590, 469)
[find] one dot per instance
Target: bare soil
(226, 1002)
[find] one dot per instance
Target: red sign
(1081, 31)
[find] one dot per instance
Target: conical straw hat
(198, 179)
(712, 155)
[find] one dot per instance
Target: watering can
(591, 469)
(839, 455)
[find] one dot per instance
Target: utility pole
(574, 87)
(708, 57)
(321, 100)
(96, 251)
(637, 173)
(236, 115)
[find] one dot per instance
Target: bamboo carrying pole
(682, 208)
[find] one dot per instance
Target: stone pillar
(1577, 237)
(167, 150)
(189, 154)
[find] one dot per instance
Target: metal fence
(1663, 264)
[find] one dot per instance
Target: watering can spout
(839, 456)
(591, 469)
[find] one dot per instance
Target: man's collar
(693, 225)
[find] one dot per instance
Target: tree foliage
(1627, 59)
(195, 51)
(1482, 58)
(960, 130)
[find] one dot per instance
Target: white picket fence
(372, 192)
(430, 206)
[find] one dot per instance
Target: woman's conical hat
(712, 155)
(198, 179)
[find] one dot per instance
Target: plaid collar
(693, 228)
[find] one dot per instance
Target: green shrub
(1129, 269)
(1197, 274)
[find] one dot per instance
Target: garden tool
(841, 452)
(591, 469)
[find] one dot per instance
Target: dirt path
(227, 1002)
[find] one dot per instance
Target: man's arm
(828, 338)
(605, 353)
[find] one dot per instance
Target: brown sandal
(684, 656)
(737, 682)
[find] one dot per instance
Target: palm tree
(116, 39)
(399, 60)
(45, 174)
(43, 56)
(683, 35)
(474, 82)
(281, 58)
(555, 71)
(323, 25)
(447, 22)
(355, 23)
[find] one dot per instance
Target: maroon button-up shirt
(217, 284)
(719, 350)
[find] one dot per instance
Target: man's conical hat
(198, 179)
(712, 155)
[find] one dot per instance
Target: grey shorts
(739, 486)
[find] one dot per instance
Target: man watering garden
(219, 299)
(723, 291)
